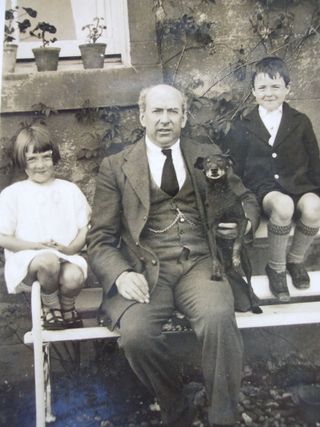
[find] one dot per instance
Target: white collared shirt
(156, 161)
(271, 120)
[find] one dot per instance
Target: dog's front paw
(236, 261)
(216, 271)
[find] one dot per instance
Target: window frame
(116, 36)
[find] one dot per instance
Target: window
(69, 16)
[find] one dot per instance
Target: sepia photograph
(160, 213)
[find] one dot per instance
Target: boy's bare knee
(280, 208)
(309, 206)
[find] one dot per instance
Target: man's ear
(199, 163)
(184, 119)
(142, 117)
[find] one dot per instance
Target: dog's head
(214, 167)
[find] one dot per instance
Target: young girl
(43, 225)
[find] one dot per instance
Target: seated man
(148, 247)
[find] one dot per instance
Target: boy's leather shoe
(278, 284)
(299, 275)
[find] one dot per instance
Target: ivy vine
(272, 23)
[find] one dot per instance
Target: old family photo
(159, 213)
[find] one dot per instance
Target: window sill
(70, 86)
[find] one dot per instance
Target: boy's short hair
(38, 136)
(273, 66)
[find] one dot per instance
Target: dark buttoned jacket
(291, 165)
(120, 211)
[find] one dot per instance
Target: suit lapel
(190, 153)
(287, 125)
(137, 171)
(256, 126)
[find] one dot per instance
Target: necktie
(169, 182)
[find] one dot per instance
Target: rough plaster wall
(71, 136)
(232, 30)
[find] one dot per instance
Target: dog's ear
(228, 157)
(199, 164)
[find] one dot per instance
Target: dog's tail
(247, 269)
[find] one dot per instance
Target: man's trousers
(209, 306)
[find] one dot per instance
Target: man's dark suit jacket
(292, 163)
(121, 208)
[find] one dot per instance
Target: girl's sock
(51, 300)
(302, 239)
(67, 305)
(278, 236)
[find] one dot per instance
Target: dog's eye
(221, 162)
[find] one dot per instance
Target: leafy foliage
(11, 18)
(42, 31)
(43, 110)
(272, 28)
(95, 30)
(105, 127)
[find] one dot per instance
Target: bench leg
(41, 362)
(50, 418)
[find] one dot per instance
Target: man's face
(163, 117)
(270, 93)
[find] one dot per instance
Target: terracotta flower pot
(46, 58)
(92, 54)
(9, 57)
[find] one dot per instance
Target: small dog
(223, 205)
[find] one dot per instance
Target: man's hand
(228, 230)
(133, 286)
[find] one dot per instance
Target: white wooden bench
(303, 309)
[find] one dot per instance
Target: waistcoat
(174, 223)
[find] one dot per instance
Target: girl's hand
(59, 247)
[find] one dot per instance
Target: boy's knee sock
(278, 236)
(50, 300)
(302, 239)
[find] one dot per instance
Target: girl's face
(39, 166)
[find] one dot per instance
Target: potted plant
(92, 53)
(12, 25)
(46, 57)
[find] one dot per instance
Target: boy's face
(270, 93)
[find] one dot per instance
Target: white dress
(56, 210)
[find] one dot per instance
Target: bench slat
(260, 285)
(301, 313)
(90, 298)
(273, 315)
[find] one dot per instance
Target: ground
(105, 393)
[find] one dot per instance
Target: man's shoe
(278, 284)
(299, 275)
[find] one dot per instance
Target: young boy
(277, 155)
